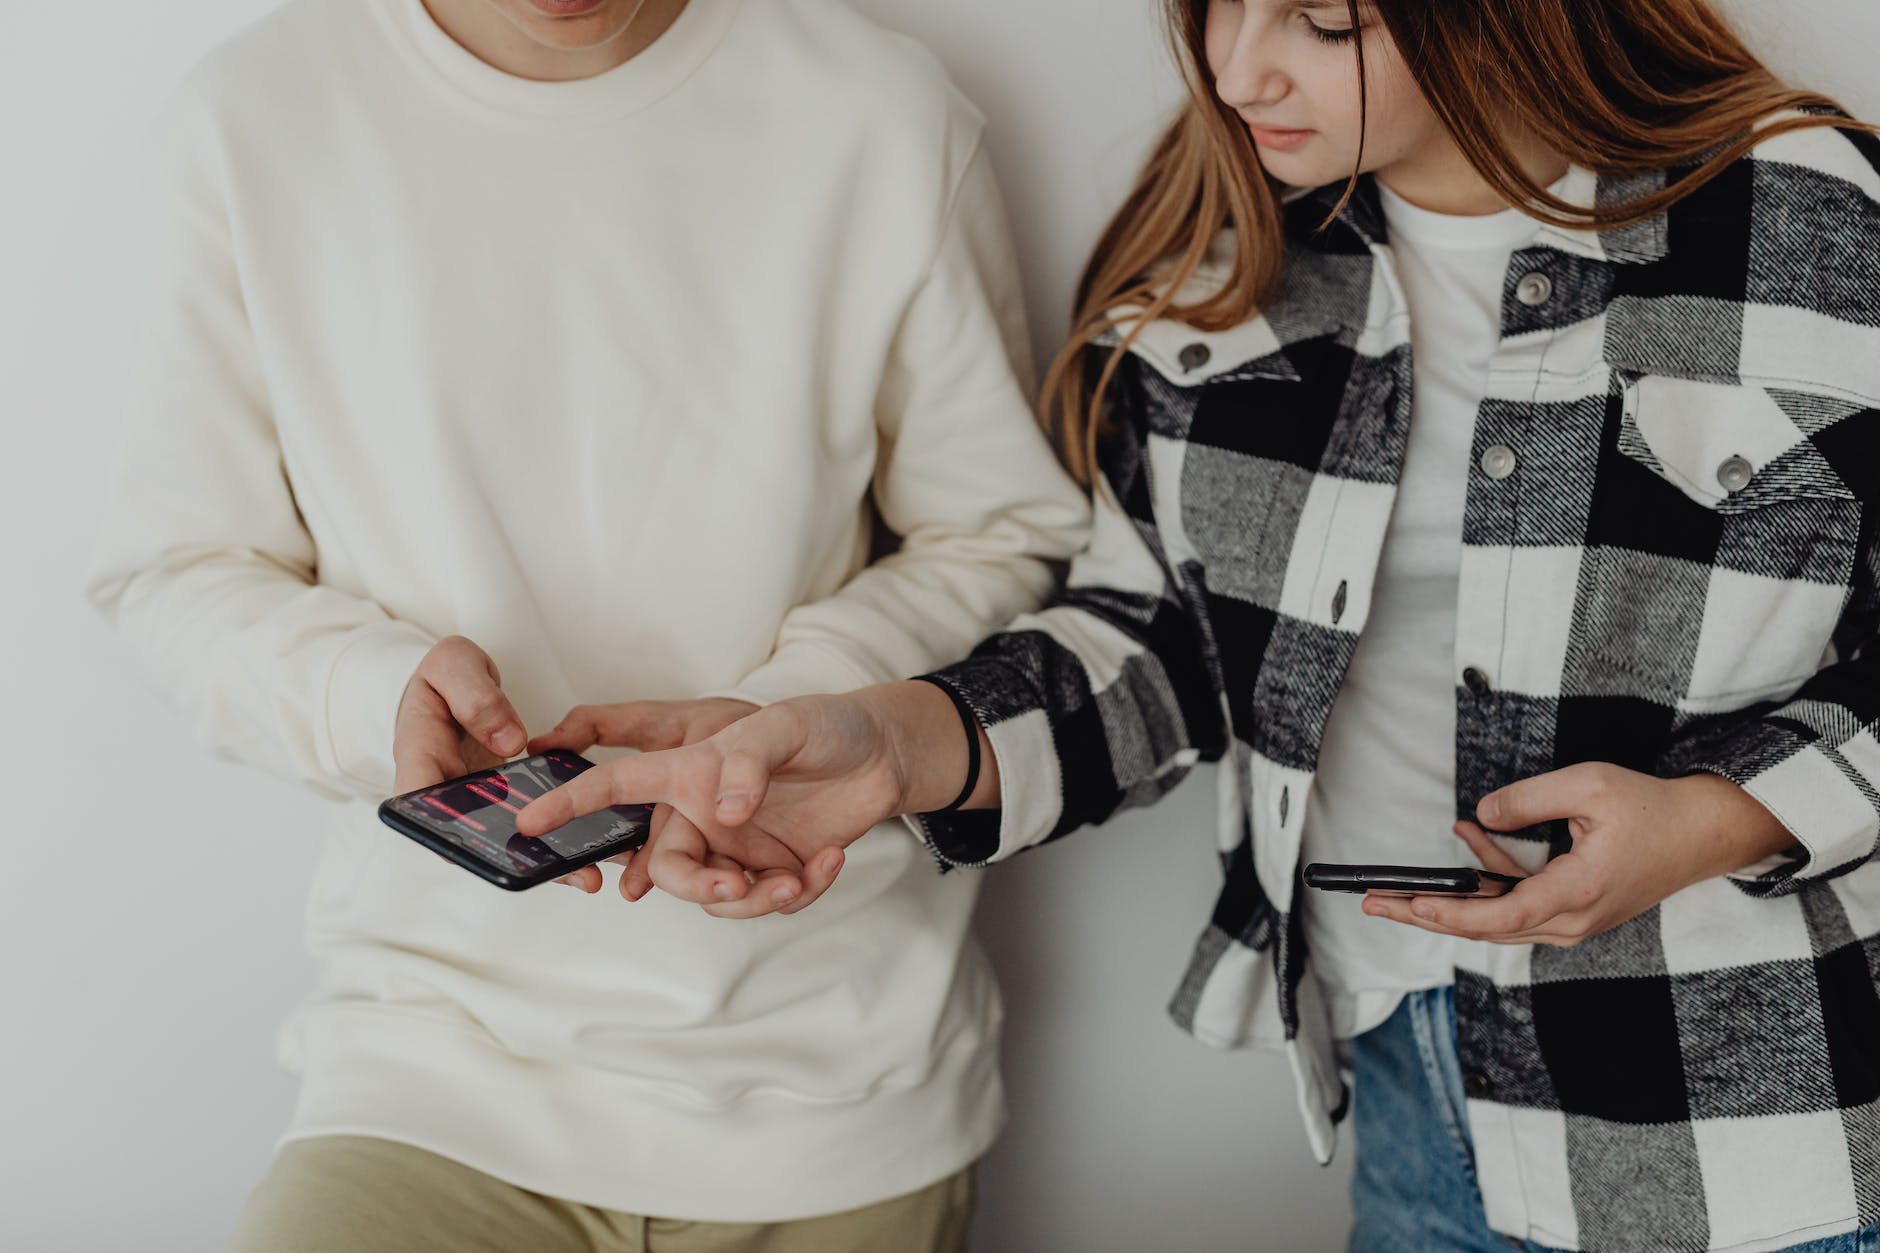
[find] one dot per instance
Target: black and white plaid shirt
(1669, 563)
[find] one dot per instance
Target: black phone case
(450, 852)
(1414, 880)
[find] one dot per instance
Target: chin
(572, 33)
(1297, 172)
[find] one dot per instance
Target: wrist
(921, 731)
(1733, 829)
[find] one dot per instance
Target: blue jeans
(1413, 1186)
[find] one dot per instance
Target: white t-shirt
(604, 375)
(1385, 791)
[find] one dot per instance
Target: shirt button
(1476, 681)
(1195, 356)
(1534, 289)
(1735, 474)
(1498, 461)
(1479, 1084)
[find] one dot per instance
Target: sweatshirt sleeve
(965, 476)
(203, 563)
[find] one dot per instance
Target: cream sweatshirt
(603, 375)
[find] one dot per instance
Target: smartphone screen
(472, 821)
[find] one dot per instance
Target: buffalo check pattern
(1679, 574)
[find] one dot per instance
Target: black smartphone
(1409, 880)
(472, 821)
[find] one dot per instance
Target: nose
(1251, 76)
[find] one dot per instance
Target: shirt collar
(1360, 224)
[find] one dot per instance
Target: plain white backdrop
(149, 913)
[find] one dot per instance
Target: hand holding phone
(453, 717)
(471, 820)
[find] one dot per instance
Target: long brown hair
(1616, 86)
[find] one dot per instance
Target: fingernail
(508, 740)
(783, 896)
(722, 891)
(1490, 808)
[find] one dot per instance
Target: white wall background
(138, 1096)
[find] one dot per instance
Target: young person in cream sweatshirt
(511, 355)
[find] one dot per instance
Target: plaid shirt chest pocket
(1287, 482)
(1739, 525)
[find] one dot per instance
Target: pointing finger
(1490, 854)
(631, 780)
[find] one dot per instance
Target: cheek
(1335, 103)
(1400, 119)
(1328, 86)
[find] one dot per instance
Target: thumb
(683, 866)
(1530, 802)
(757, 747)
(632, 724)
(574, 733)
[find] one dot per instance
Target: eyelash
(1327, 35)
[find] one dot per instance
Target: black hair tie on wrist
(971, 724)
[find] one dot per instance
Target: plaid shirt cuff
(1026, 753)
(1817, 792)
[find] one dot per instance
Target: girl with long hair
(1480, 406)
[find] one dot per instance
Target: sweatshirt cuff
(363, 689)
(805, 668)
(1811, 791)
(1030, 786)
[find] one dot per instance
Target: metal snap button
(1735, 473)
(1498, 461)
(1534, 289)
(1194, 356)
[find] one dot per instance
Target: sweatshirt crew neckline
(618, 93)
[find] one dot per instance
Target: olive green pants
(355, 1194)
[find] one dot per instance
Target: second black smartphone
(1409, 880)
(472, 821)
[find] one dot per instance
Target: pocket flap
(1730, 447)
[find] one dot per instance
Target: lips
(567, 8)
(1278, 138)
